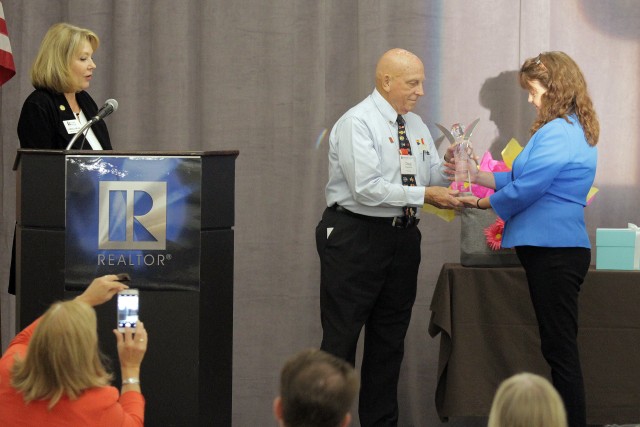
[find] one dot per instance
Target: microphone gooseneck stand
(82, 131)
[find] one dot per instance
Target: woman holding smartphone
(52, 373)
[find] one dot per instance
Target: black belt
(394, 221)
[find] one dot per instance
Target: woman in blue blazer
(542, 202)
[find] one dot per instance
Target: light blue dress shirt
(542, 200)
(364, 160)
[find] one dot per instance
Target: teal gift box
(618, 248)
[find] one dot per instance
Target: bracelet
(131, 381)
(478, 204)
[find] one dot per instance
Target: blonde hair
(51, 68)
(566, 92)
(527, 400)
(62, 358)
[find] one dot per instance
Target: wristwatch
(131, 381)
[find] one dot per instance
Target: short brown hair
(566, 92)
(51, 68)
(63, 358)
(317, 389)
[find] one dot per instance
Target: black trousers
(555, 276)
(369, 276)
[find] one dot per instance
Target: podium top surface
(110, 153)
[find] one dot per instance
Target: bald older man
(383, 166)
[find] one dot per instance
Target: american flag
(7, 67)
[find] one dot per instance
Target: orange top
(99, 406)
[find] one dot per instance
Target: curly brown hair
(566, 92)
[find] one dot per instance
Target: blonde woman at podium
(52, 372)
(60, 106)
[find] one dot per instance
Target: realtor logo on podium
(132, 215)
(136, 215)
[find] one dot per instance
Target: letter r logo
(132, 215)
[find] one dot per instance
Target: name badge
(408, 165)
(73, 126)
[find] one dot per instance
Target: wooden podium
(187, 371)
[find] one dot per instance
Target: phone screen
(128, 305)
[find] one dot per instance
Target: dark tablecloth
(488, 332)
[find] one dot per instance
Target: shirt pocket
(424, 167)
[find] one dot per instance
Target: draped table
(488, 332)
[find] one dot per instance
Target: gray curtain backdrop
(269, 78)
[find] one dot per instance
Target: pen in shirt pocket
(423, 148)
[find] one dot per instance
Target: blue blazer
(542, 199)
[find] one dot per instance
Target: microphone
(109, 107)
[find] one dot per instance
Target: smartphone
(128, 307)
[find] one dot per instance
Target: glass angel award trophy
(461, 139)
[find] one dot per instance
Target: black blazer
(41, 120)
(41, 126)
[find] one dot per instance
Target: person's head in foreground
(317, 389)
(63, 356)
(527, 400)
